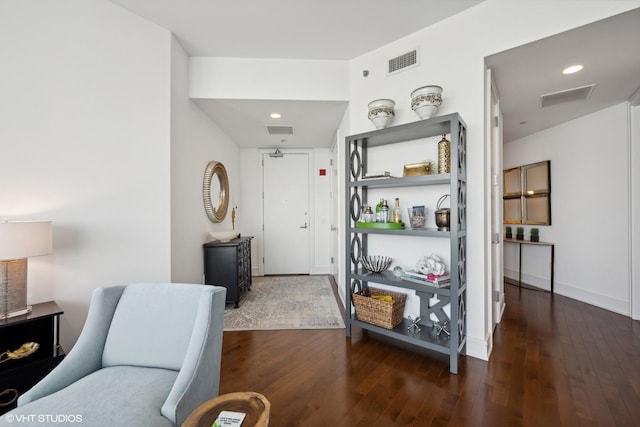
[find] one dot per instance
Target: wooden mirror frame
(218, 212)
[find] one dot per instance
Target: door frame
(634, 205)
(261, 153)
(335, 214)
(493, 126)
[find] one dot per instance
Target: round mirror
(215, 191)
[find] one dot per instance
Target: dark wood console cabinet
(228, 264)
(17, 376)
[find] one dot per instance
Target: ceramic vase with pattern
(381, 111)
(426, 100)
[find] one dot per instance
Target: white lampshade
(23, 239)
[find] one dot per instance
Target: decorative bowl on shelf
(381, 111)
(376, 263)
(224, 236)
(426, 100)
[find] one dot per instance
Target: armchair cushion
(149, 331)
(113, 396)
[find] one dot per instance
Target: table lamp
(18, 241)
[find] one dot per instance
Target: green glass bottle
(379, 217)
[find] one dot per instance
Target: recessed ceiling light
(276, 115)
(572, 69)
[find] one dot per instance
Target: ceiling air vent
(569, 95)
(399, 63)
(280, 130)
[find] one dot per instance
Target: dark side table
(41, 326)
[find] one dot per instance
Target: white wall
(453, 58)
(85, 143)
(251, 200)
(255, 78)
(589, 209)
(195, 140)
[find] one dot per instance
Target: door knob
(304, 226)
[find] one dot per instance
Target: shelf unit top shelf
(436, 126)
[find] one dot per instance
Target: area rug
(286, 302)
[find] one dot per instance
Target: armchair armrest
(86, 355)
(199, 377)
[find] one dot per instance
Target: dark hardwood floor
(555, 362)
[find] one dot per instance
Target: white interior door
(497, 270)
(286, 214)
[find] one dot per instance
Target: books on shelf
(441, 281)
(433, 277)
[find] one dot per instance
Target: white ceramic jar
(425, 101)
(381, 111)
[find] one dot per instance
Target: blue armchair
(148, 355)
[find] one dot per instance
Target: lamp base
(16, 313)
(13, 288)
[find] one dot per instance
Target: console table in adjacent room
(528, 242)
(228, 264)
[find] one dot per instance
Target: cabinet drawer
(21, 380)
(40, 331)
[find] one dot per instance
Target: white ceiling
(292, 29)
(336, 29)
(314, 122)
(287, 29)
(609, 51)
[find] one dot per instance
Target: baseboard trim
(602, 301)
(592, 298)
(480, 349)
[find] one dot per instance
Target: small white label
(229, 419)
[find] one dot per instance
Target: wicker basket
(379, 313)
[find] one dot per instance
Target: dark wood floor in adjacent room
(556, 362)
